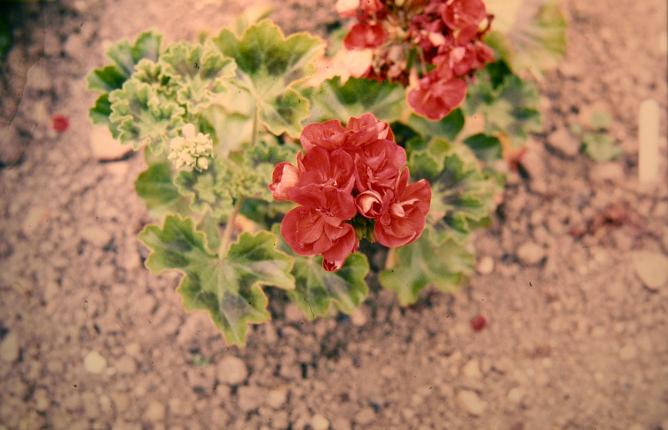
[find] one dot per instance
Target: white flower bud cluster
(191, 150)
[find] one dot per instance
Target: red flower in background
(435, 98)
(448, 36)
(346, 171)
(458, 14)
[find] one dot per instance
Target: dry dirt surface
(574, 339)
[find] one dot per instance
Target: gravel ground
(574, 338)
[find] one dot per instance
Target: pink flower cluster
(342, 173)
(448, 35)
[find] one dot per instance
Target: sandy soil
(574, 340)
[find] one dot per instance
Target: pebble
(365, 416)
(42, 401)
(472, 369)
(277, 397)
(358, 317)
(155, 412)
(651, 268)
(515, 395)
(249, 398)
(628, 352)
(231, 370)
(318, 422)
(11, 149)
(607, 172)
(485, 265)
(35, 217)
(96, 235)
(471, 403)
(126, 365)
(533, 162)
(9, 349)
(74, 45)
(94, 362)
(530, 254)
(342, 423)
(563, 142)
(105, 147)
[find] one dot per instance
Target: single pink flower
(364, 35)
(285, 177)
(435, 98)
(328, 135)
(404, 212)
(308, 232)
(458, 14)
(378, 164)
(365, 130)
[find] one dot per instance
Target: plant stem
(254, 134)
(389, 260)
(227, 233)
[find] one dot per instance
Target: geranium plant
(273, 163)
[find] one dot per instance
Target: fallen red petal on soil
(60, 123)
(478, 322)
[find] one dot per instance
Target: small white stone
(562, 141)
(358, 317)
(231, 370)
(515, 395)
(105, 147)
(472, 369)
(628, 352)
(318, 422)
(155, 412)
(651, 268)
(530, 254)
(96, 235)
(41, 398)
(365, 416)
(94, 362)
(485, 265)
(9, 349)
(277, 397)
(471, 403)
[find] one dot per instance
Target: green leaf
(317, 291)
(444, 264)
(334, 100)
(206, 189)
(601, 147)
(270, 67)
(156, 187)
(462, 193)
(229, 288)
(125, 57)
(141, 116)
(485, 147)
(508, 104)
(198, 72)
(99, 113)
(229, 130)
(449, 127)
(530, 35)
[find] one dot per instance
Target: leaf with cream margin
(229, 287)
(270, 67)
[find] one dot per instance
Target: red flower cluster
(342, 173)
(448, 35)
